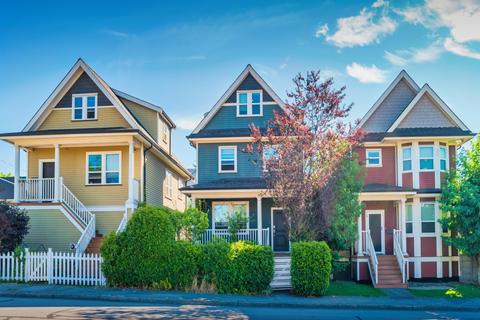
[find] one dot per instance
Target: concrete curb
(331, 303)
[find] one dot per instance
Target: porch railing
(243, 234)
(370, 250)
(397, 250)
(38, 189)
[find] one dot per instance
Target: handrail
(397, 250)
(86, 237)
(123, 224)
(370, 249)
(72, 202)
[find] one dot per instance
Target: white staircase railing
(72, 202)
(397, 250)
(370, 249)
(123, 223)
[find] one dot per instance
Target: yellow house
(93, 154)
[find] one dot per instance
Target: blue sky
(182, 56)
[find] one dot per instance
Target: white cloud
(359, 30)
(189, 123)
(283, 66)
(457, 48)
(366, 74)
(403, 57)
(379, 3)
(117, 33)
(395, 59)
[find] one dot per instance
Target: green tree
(5, 175)
(460, 202)
(235, 222)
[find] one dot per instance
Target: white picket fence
(53, 267)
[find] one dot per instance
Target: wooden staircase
(94, 245)
(389, 274)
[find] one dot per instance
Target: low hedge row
(146, 254)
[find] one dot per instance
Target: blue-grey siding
(208, 163)
(249, 83)
(226, 118)
(83, 85)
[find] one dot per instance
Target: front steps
(389, 273)
(95, 243)
(282, 279)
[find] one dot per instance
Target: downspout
(145, 172)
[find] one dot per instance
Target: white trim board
(248, 70)
(382, 225)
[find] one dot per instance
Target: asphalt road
(25, 308)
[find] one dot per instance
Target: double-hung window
(168, 185)
(84, 106)
(426, 158)
(443, 158)
(104, 168)
(408, 219)
(227, 159)
(407, 159)
(249, 103)
(374, 157)
(221, 210)
(427, 212)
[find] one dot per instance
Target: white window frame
(220, 159)
(168, 184)
(249, 103)
(104, 168)
(230, 211)
(263, 155)
(443, 159)
(408, 159)
(420, 158)
(434, 219)
(406, 222)
(379, 157)
(180, 185)
(84, 97)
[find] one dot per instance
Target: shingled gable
(390, 104)
(427, 110)
(248, 74)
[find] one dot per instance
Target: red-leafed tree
(309, 164)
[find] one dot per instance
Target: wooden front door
(280, 232)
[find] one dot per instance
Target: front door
(280, 232)
(375, 225)
(47, 188)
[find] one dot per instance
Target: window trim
(408, 159)
(104, 168)
(180, 194)
(263, 155)
(230, 211)
(444, 159)
(165, 132)
(413, 226)
(420, 158)
(168, 186)
(379, 158)
(249, 103)
(220, 159)
(84, 106)
(434, 219)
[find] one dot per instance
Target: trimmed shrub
(240, 267)
(311, 265)
(13, 226)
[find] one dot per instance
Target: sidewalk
(279, 299)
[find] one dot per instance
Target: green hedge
(239, 267)
(311, 265)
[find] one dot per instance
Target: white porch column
(360, 240)
(403, 226)
(130, 171)
(259, 219)
(16, 190)
(57, 173)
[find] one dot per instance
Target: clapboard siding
(83, 85)
(62, 119)
(51, 228)
(208, 160)
(384, 174)
(226, 118)
(249, 83)
(155, 172)
(106, 221)
(147, 118)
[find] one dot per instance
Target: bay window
(427, 213)
(408, 219)
(407, 159)
(443, 158)
(103, 168)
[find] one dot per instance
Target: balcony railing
(243, 234)
(39, 189)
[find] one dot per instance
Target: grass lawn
(459, 291)
(353, 289)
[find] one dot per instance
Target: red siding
(411, 269)
(454, 268)
(445, 269)
(410, 247)
(390, 220)
(407, 180)
(444, 249)
(428, 246)
(364, 272)
(384, 174)
(429, 269)
(452, 154)
(427, 180)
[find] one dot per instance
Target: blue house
(229, 180)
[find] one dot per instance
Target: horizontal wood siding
(155, 171)
(410, 246)
(444, 249)
(62, 119)
(384, 174)
(411, 269)
(106, 221)
(407, 180)
(249, 83)
(208, 160)
(226, 118)
(454, 268)
(147, 118)
(429, 269)
(428, 246)
(83, 85)
(364, 272)
(452, 153)
(445, 268)
(51, 228)
(427, 180)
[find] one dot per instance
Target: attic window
(84, 106)
(249, 103)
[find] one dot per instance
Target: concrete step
(391, 285)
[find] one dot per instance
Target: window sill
(227, 172)
(249, 115)
(77, 120)
(169, 198)
(373, 166)
(103, 184)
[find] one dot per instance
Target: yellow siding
(62, 119)
(106, 221)
(51, 228)
(147, 117)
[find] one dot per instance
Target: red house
(411, 140)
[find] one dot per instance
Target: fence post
(27, 265)
(50, 266)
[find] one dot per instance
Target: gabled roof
(248, 70)
(403, 75)
(440, 104)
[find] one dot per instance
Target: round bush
(311, 265)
